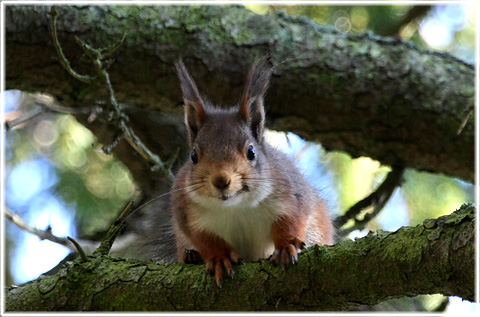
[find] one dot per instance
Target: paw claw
(294, 259)
(236, 258)
(216, 266)
(287, 254)
(274, 257)
(299, 244)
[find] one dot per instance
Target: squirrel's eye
(194, 156)
(250, 153)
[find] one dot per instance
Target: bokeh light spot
(45, 133)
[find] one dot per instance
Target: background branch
(377, 199)
(43, 107)
(414, 14)
(44, 234)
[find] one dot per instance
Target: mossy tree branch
(437, 256)
(367, 95)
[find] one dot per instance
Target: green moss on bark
(435, 257)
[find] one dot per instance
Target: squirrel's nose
(221, 182)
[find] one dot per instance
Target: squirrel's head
(227, 166)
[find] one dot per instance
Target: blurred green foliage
(95, 184)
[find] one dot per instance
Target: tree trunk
(366, 95)
(437, 256)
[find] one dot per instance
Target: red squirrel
(238, 198)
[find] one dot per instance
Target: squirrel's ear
(194, 107)
(251, 106)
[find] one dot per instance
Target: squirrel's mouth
(226, 197)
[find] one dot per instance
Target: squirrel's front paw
(216, 265)
(288, 253)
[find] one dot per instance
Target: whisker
(191, 187)
(194, 189)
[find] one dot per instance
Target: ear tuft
(194, 106)
(251, 106)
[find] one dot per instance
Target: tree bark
(359, 93)
(437, 256)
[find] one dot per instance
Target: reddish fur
(200, 112)
(244, 111)
(288, 228)
(216, 253)
(210, 246)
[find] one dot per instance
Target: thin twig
(97, 55)
(79, 249)
(88, 245)
(378, 199)
(63, 60)
(106, 51)
(42, 234)
(154, 160)
(9, 125)
(113, 231)
(41, 108)
(108, 148)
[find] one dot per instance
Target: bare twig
(157, 164)
(63, 60)
(42, 234)
(79, 249)
(9, 125)
(108, 148)
(154, 160)
(378, 199)
(41, 108)
(103, 51)
(47, 234)
(113, 231)
(117, 116)
(68, 242)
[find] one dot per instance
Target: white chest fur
(246, 228)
